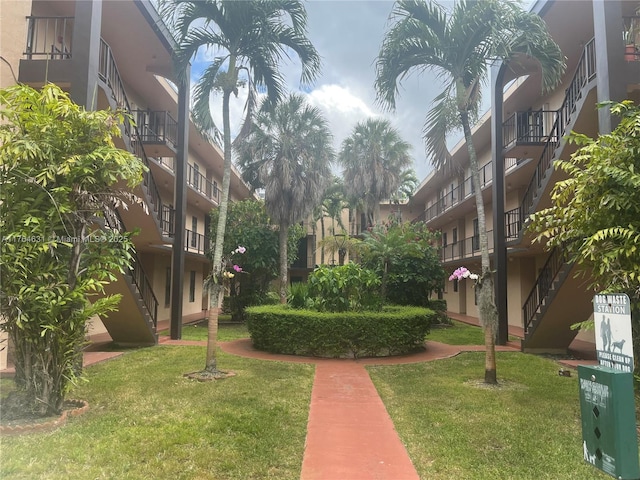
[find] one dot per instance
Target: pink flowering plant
(229, 266)
(461, 273)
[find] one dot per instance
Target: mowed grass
(453, 427)
(226, 332)
(148, 422)
(458, 333)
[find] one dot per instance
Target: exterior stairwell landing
(568, 301)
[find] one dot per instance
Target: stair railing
(108, 72)
(137, 273)
(543, 285)
(585, 72)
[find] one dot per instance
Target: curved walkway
(350, 435)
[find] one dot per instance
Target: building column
(87, 28)
(180, 203)
(499, 240)
(608, 26)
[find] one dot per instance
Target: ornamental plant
(461, 273)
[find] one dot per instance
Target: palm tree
(333, 203)
(408, 184)
(248, 37)
(458, 45)
(289, 146)
(373, 157)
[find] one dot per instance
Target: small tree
(60, 173)
(596, 212)
(404, 256)
(249, 225)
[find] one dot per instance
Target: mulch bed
(72, 408)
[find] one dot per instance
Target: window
(194, 232)
(455, 284)
(454, 234)
(167, 288)
(475, 241)
(444, 239)
(192, 286)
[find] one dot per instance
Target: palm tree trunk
(282, 240)
(212, 333)
(486, 301)
(322, 232)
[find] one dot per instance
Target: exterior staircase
(559, 298)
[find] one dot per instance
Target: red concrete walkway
(350, 436)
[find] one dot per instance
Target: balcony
(158, 131)
(464, 249)
(48, 51)
(202, 184)
(526, 133)
(197, 243)
(456, 196)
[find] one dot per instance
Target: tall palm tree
(289, 146)
(373, 157)
(458, 45)
(249, 39)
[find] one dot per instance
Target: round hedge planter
(393, 331)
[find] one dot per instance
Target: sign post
(607, 405)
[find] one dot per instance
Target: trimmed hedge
(393, 331)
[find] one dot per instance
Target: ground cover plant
(455, 426)
(457, 333)
(147, 421)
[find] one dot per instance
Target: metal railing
(136, 272)
(466, 248)
(49, 38)
(531, 126)
(156, 127)
(543, 285)
(202, 184)
(585, 72)
(108, 72)
(197, 242)
(455, 196)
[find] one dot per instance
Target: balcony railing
(455, 196)
(196, 242)
(202, 184)
(532, 126)
(167, 220)
(469, 247)
(49, 38)
(157, 127)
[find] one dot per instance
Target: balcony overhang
(38, 72)
(523, 149)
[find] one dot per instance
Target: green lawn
(458, 333)
(226, 332)
(147, 422)
(529, 428)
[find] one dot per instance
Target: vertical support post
(86, 53)
(608, 26)
(499, 241)
(180, 202)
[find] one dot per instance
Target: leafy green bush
(392, 331)
(345, 288)
(440, 307)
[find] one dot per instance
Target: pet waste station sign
(607, 406)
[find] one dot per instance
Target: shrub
(392, 331)
(345, 288)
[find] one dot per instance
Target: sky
(347, 34)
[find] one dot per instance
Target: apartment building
(517, 142)
(118, 54)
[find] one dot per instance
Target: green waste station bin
(607, 407)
